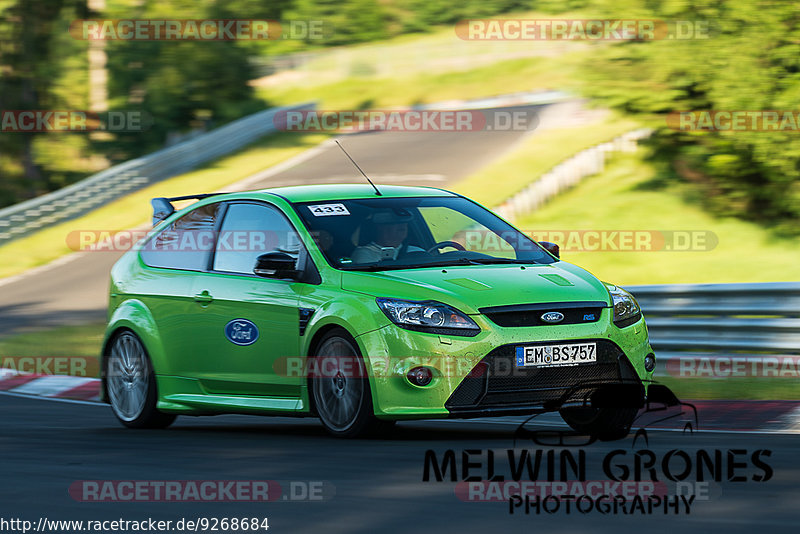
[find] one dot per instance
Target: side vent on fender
(305, 316)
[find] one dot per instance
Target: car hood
(470, 287)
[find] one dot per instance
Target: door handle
(203, 298)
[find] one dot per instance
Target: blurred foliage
(422, 14)
(29, 80)
(185, 86)
(750, 60)
(346, 22)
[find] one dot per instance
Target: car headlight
(626, 309)
(428, 316)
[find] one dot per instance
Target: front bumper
(496, 385)
(477, 376)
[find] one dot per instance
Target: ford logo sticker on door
(552, 317)
(241, 332)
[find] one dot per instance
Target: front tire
(606, 424)
(340, 389)
(131, 384)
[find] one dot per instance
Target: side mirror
(276, 265)
(552, 248)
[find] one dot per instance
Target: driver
(390, 230)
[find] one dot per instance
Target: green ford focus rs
(364, 307)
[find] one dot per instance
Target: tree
(26, 34)
(750, 61)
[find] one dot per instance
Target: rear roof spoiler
(163, 208)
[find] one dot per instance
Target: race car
(364, 306)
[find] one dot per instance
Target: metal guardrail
(722, 320)
(107, 185)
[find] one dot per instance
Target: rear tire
(131, 384)
(605, 424)
(340, 389)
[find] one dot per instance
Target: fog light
(420, 376)
(649, 363)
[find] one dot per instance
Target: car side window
(250, 230)
(186, 243)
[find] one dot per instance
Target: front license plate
(556, 355)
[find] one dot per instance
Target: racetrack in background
(73, 289)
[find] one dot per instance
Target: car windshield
(379, 234)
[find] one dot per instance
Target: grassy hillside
(536, 155)
(626, 197)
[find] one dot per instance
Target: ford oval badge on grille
(552, 317)
(241, 332)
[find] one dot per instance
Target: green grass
(431, 67)
(537, 154)
(621, 198)
(81, 341)
(134, 210)
(503, 77)
(739, 388)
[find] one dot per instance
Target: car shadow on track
(202, 429)
(400, 433)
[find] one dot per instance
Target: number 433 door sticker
(322, 210)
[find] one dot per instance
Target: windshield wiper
(366, 268)
(446, 263)
(489, 261)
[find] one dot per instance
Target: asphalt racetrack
(48, 447)
(368, 485)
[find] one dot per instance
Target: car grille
(531, 314)
(496, 382)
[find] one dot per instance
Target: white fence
(567, 174)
